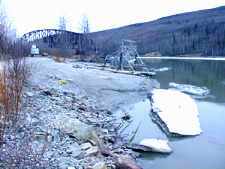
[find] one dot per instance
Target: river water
(206, 151)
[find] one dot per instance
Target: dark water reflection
(200, 73)
(206, 151)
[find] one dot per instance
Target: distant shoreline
(186, 58)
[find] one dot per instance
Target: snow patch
(177, 110)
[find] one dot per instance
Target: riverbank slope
(71, 104)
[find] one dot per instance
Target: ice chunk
(176, 111)
(156, 145)
(190, 89)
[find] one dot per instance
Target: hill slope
(194, 32)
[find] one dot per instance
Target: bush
(13, 75)
(16, 152)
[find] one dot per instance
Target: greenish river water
(206, 151)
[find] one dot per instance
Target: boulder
(29, 94)
(92, 151)
(89, 149)
(71, 168)
(126, 162)
(74, 127)
(100, 165)
(175, 112)
(85, 146)
(44, 54)
(74, 150)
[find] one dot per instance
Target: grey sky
(28, 15)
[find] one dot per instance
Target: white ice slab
(194, 90)
(177, 110)
(156, 145)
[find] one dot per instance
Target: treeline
(207, 39)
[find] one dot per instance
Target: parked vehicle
(34, 50)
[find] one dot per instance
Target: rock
(71, 168)
(92, 151)
(77, 67)
(105, 131)
(47, 93)
(126, 116)
(86, 146)
(44, 54)
(100, 165)
(55, 135)
(125, 162)
(74, 150)
(89, 149)
(156, 145)
(29, 94)
(66, 162)
(190, 89)
(74, 127)
(175, 112)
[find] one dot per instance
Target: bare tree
(3, 31)
(62, 23)
(85, 30)
(84, 25)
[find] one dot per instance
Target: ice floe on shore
(175, 112)
(152, 145)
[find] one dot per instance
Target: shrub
(15, 151)
(13, 75)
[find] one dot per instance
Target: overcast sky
(29, 15)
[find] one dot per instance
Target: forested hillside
(200, 32)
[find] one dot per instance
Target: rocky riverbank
(69, 109)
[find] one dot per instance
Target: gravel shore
(69, 109)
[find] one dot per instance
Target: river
(206, 151)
